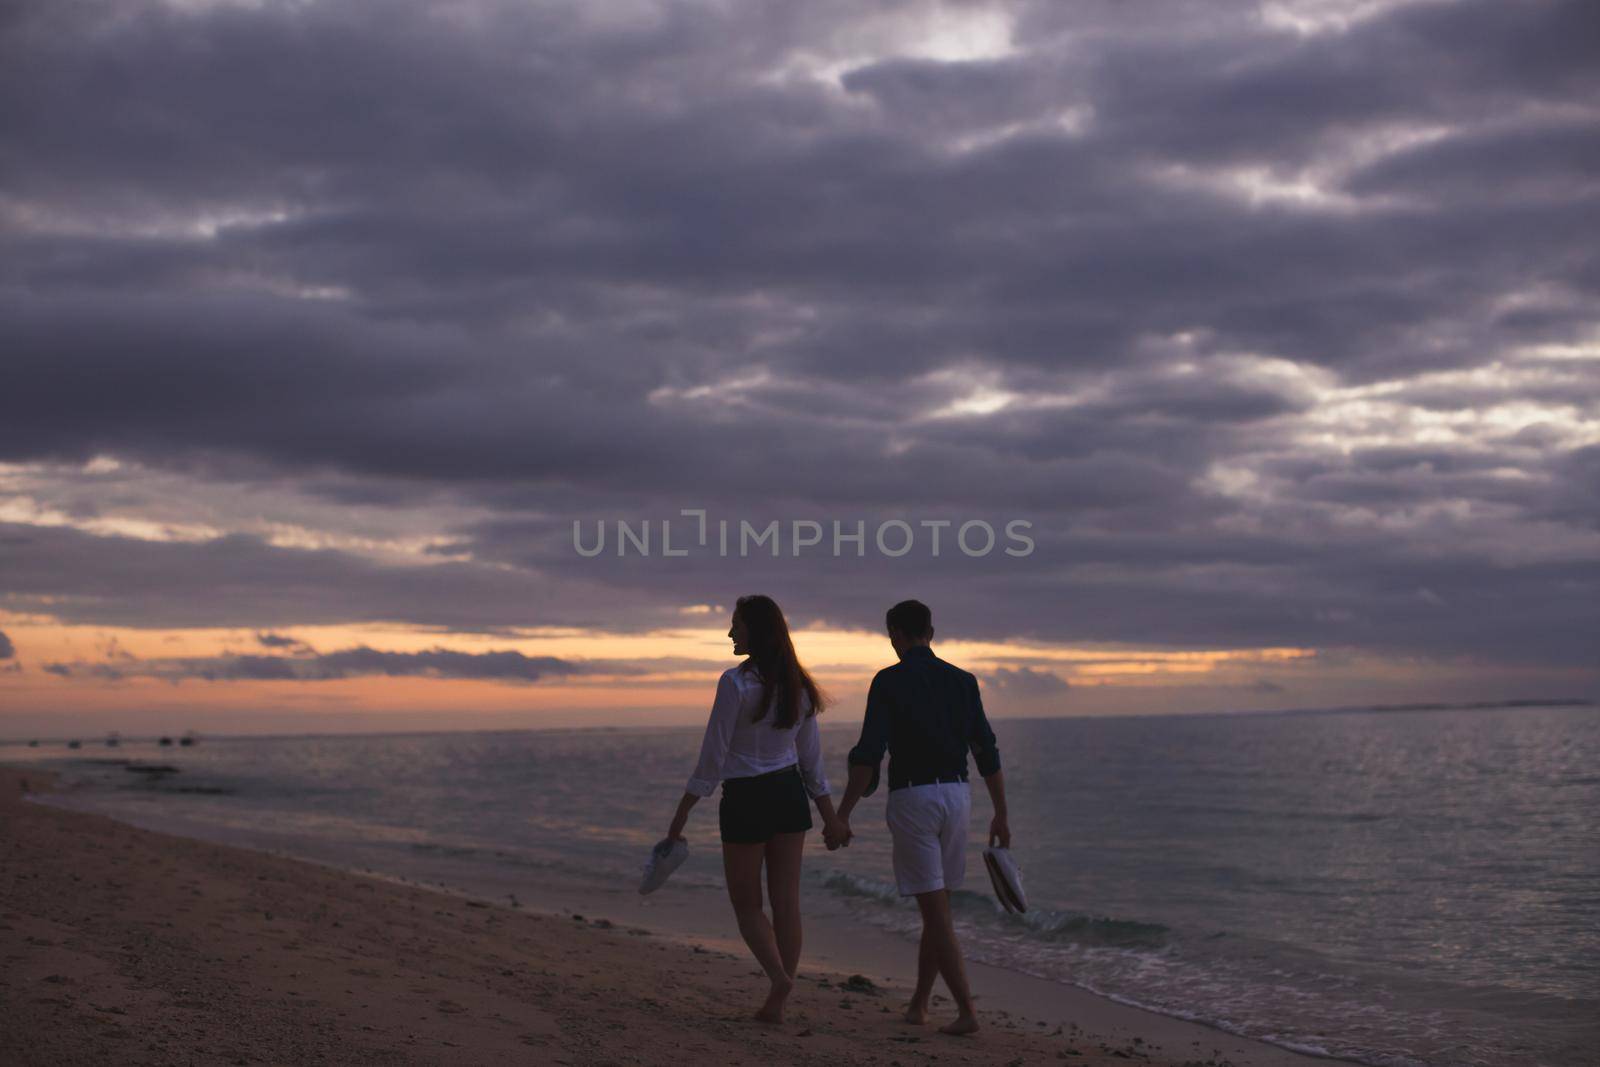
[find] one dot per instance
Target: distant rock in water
(165, 742)
(74, 744)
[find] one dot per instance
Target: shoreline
(98, 970)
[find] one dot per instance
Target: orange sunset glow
(151, 680)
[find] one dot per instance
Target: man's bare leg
(927, 971)
(938, 925)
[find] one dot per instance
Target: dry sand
(123, 946)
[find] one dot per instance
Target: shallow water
(1397, 888)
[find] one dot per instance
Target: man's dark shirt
(927, 713)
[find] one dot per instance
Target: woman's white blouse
(735, 747)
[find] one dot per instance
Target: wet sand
(125, 946)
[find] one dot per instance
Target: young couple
(762, 746)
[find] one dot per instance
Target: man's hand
(999, 829)
(837, 834)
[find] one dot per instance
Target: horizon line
(1391, 709)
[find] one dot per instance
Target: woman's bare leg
(783, 891)
(741, 864)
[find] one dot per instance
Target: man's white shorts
(929, 826)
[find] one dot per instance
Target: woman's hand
(680, 818)
(835, 829)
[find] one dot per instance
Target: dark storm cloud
(1025, 682)
(1265, 95)
(1521, 160)
(553, 265)
(241, 581)
(503, 666)
(440, 662)
(278, 641)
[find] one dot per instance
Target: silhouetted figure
(927, 714)
(762, 747)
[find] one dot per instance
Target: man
(927, 713)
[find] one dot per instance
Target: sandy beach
(126, 946)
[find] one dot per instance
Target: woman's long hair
(783, 680)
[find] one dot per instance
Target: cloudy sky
(322, 322)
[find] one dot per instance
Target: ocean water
(1417, 888)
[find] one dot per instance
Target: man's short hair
(911, 618)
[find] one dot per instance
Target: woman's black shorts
(753, 809)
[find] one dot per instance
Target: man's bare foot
(916, 1014)
(964, 1025)
(772, 1011)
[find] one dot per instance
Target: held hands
(837, 834)
(1000, 830)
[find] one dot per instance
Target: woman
(762, 746)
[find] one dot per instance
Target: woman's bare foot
(916, 1014)
(772, 1011)
(965, 1024)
